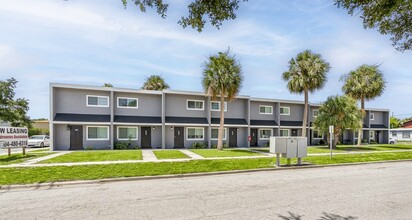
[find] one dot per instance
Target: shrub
(38, 131)
(224, 145)
(125, 145)
(88, 148)
(266, 144)
(364, 141)
(322, 142)
(197, 145)
(372, 142)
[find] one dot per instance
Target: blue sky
(93, 42)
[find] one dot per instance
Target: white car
(392, 140)
(39, 141)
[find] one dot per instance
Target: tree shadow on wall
(325, 216)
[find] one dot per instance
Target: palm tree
(155, 82)
(222, 77)
(365, 83)
(307, 73)
(340, 111)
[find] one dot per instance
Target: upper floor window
(372, 116)
(315, 113)
(123, 102)
(215, 133)
(284, 110)
(97, 101)
(195, 105)
(265, 134)
(215, 106)
(284, 132)
(266, 109)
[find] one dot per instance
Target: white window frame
(264, 113)
(317, 138)
(196, 139)
(195, 109)
(265, 129)
(224, 134)
(126, 139)
(373, 136)
(286, 108)
(97, 139)
(137, 102)
(371, 116)
(217, 110)
(280, 132)
(406, 132)
(313, 113)
(98, 96)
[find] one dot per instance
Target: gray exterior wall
(378, 118)
(175, 105)
(62, 137)
(148, 105)
(235, 109)
(311, 108)
(296, 112)
(96, 144)
(74, 101)
(187, 143)
(255, 111)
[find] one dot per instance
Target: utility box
(289, 147)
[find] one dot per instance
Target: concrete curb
(138, 178)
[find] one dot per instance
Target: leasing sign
(13, 137)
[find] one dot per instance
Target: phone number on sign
(14, 143)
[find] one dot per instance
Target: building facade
(98, 117)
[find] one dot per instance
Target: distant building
(41, 124)
(401, 134)
(407, 124)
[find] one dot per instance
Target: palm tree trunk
(360, 131)
(222, 121)
(335, 140)
(305, 114)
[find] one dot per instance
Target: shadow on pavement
(325, 216)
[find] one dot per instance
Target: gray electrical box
(289, 147)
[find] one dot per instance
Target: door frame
(72, 130)
(231, 144)
(142, 129)
(252, 138)
(182, 137)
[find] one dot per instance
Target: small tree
(395, 122)
(307, 73)
(107, 85)
(339, 111)
(222, 78)
(365, 83)
(13, 110)
(155, 82)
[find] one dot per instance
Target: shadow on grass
(14, 157)
(325, 216)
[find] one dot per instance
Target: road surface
(373, 191)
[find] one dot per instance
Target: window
(195, 105)
(316, 134)
(265, 134)
(394, 134)
(215, 133)
(284, 132)
(215, 106)
(97, 101)
(123, 102)
(284, 110)
(372, 116)
(315, 113)
(126, 133)
(356, 134)
(371, 135)
(195, 133)
(406, 134)
(265, 109)
(97, 133)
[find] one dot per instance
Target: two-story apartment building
(82, 116)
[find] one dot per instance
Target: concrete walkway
(191, 154)
(148, 155)
(39, 159)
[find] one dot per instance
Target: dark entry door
(76, 137)
(294, 132)
(232, 137)
(254, 134)
(179, 137)
(377, 137)
(146, 136)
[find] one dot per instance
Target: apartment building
(82, 116)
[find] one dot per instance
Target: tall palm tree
(365, 83)
(222, 77)
(307, 73)
(155, 82)
(340, 111)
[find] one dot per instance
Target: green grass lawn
(350, 148)
(19, 158)
(169, 154)
(89, 172)
(41, 150)
(207, 153)
(97, 155)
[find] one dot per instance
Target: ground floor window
(284, 132)
(372, 135)
(126, 133)
(265, 133)
(215, 133)
(195, 133)
(97, 133)
(317, 134)
(406, 134)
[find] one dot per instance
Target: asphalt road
(373, 191)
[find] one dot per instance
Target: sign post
(331, 135)
(14, 137)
